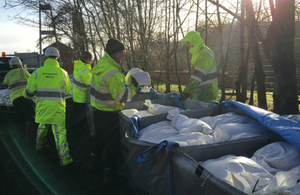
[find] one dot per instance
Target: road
(24, 171)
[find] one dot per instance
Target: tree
(280, 41)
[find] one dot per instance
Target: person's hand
(184, 96)
(134, 82)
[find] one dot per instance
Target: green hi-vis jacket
(82, 81)
(108, 91)
(203, 83)
(50, 84)
(16, 80)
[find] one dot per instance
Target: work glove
(184, 96)
(134, 82)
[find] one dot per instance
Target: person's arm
(68, 83)
(31, 87)
(5, 82)
(203, 65)
(118, 90)
(86, 76)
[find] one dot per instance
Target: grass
(174, 89)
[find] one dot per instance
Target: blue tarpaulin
(288, 129)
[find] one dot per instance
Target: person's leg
(41, 138)
(97, 145)
(21, 121)
(111, 140)
(62, 146)
(29, 114)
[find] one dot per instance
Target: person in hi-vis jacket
(50, 84)
(203, 83)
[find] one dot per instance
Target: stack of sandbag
(206, 130)
(4, 97)
(153, 109)
(273, 169)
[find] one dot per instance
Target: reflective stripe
(100, 97)
(17, 85)
(199, 74)
(57, 143)
(205, 78)
(84, 71)
(209, 81)
(123, 95)
(80, 85)
(111, 73)
(50, 94)
(36, 72)
(65, 82)
(29, 93)
(40, 141)
(206, 51)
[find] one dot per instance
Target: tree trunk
(260, 75)
(221, 55)
(280, 39)
(241, 95)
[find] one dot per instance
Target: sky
(16, 37)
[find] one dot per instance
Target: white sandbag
(157, 109)
(296, 189)
(283, 181)
(230, 117)
(142, 77)
(278, 155)
(185, 139)
(225, 132)
(202, 140)
(129, 112)
(157, 131)
(5, 97)
(232, 168)
(244, 135)
(142, 113)
(185, 124)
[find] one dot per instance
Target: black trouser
(25, 112)
(107, 137)
(78, 119)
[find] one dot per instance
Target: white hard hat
(52, 52)
(15, 62)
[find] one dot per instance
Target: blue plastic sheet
(288, 129)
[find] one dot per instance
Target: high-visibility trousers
(60, 138)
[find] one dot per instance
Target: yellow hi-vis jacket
(108, 91)
(50, 84)
(82, 80)
(203, 83)
(16, 80)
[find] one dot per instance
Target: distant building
(66, 55)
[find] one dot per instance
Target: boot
(109, 176)
(95, 163)
(31, 129)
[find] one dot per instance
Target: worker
(50, 84)
(82, 81)
(16, 80)
(203, 83)
(108, 94)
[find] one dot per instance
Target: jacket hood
(101, 67)
(195, 40)
(78, 64)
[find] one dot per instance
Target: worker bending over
(203, 83)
